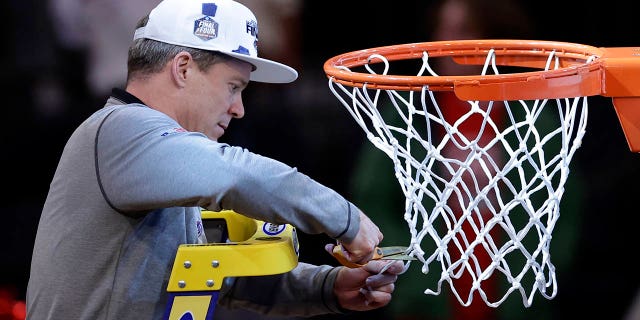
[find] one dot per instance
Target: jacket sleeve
(146, 161)
(305, 291)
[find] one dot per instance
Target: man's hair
(148, 56)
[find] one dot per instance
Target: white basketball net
(480, 205)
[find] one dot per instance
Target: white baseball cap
(225, 26)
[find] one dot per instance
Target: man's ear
(180, 65)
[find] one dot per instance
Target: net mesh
(483, 180)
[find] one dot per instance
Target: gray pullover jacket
(129, 189)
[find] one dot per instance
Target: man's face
(215, 97)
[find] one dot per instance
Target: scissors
(380, 253)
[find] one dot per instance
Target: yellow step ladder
(252, 248)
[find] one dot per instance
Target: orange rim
(575, 75)
(614, 72)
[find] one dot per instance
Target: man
(134, 176)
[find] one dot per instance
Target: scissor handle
(339, 255)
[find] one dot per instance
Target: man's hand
(360, 250)
(365, 288)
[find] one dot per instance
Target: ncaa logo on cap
(224, 26)
(206, 28)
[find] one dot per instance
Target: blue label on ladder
(191, 305)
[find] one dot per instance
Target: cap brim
(267, 70)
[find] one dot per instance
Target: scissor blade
(384, 253)
(394, 253)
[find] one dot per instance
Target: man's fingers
(388, 277)
(377, 297)
(382, 279)
(329, 247)
(356, 258)
(360, 258)
(389, 266)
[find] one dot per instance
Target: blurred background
(63, 56)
